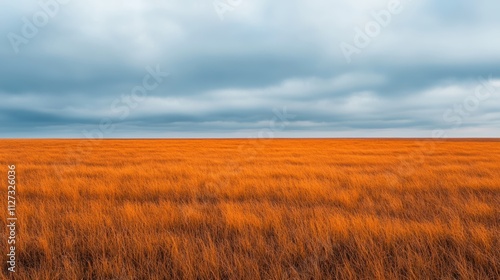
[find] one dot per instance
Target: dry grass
(239, 209)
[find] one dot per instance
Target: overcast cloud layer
(279, 68)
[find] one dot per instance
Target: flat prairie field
(253, 209)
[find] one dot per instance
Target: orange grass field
(254, 209)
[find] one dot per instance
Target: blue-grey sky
(249, 68)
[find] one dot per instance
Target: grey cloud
(227, 76)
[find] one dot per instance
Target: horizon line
(254, 138)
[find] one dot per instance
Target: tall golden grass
(241, 209)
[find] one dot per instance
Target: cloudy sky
(249, 68)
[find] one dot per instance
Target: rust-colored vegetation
(254, 209)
